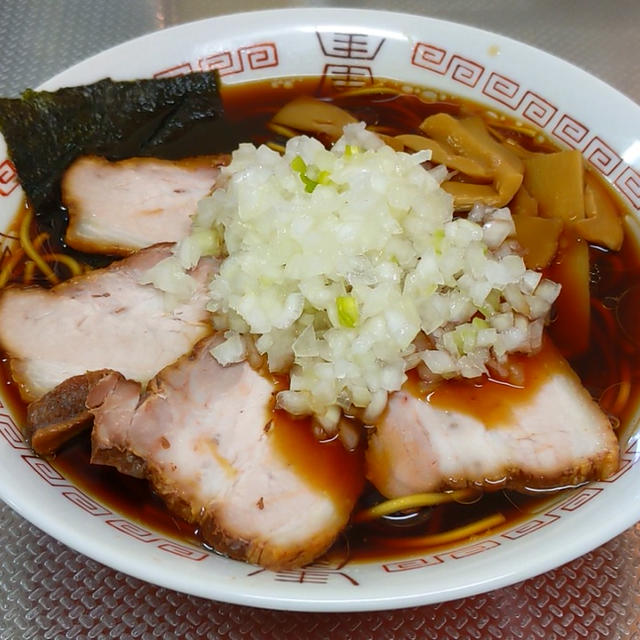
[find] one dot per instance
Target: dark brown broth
(249, 108)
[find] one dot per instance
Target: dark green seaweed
(45, 131)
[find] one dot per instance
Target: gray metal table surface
(50, 591)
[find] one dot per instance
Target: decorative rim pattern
(318, 572)
(349, 48)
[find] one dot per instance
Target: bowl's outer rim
(549, 559)
(303, 16)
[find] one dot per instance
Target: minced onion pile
(337, 264)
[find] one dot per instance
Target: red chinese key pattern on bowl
(8, 178)
(536, 109)
(339, 49)
(229, 62)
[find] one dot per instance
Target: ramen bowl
(349, 49)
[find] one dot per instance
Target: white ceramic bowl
(576, 109)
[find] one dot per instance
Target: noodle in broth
(35, 252)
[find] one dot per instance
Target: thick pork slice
(549, 433)
(119, 207)
(103, 319)
(257, 484)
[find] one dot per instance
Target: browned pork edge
(61, 414)
(199, 435)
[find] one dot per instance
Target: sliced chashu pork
(260, 488)
(119, 207)
(61, 414)
(550, 433)
(103, 319)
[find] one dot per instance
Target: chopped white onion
(335, 261)
(233, 349)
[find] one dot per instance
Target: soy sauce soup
(609, 368)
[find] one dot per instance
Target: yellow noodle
(366, 91)
(68, 261)
(414, 501)
(274, 146)
(453, 535)
(282, 130)
(39, 240)
(382, 129)
(29, 270)
(516, 128)
(624, 390)
(14, 259)
(30, 250)
(7, 269)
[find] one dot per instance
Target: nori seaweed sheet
(45, 131)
